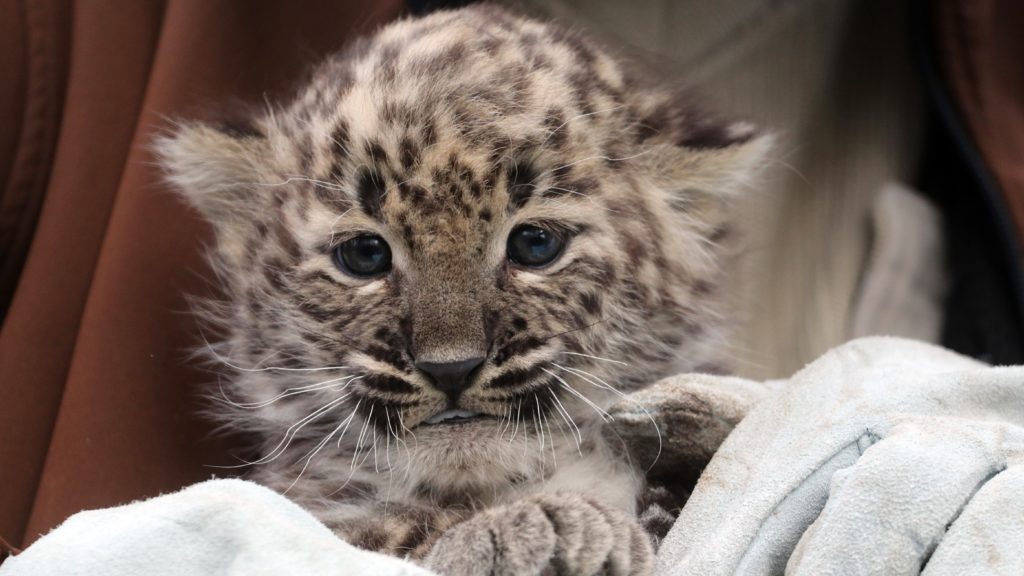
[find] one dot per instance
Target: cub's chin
(472, 452)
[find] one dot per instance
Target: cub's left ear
(695, 158)
(721, 172)
(216, 169)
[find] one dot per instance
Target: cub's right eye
(363, 256)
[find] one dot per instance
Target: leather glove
(884, 456)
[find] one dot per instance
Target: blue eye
(363, 256)
(534, 247)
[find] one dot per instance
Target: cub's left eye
(533, 246)
(363, 256)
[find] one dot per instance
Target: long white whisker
(590, 379)
(355, 454)
(290, 179)
(391, 470)
(290, 433)
(398, 436)
(515, 429)
(401, 422)
(620, 362)
(376, 468)
(508, 422)
(348, 422)
(554, 457)
(387, 449)
(316, 450)
(234, 366)
(568, 420)
(540, 430)
(600, 411)
(325, 385)
(586, 376)
(362, 434)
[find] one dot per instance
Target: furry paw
(679, 422)
(558, 533)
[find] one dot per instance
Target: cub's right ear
(218, 170)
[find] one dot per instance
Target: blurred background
(894, 205)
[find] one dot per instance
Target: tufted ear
(693, 174)
(692, 156)
(217, 169)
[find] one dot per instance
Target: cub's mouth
(450, 417)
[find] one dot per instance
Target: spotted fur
(440, 135)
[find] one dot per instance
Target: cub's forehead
(472, 52)
(481, 84)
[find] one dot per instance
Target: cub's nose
(451, 377)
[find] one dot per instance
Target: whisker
(291, 432)
(376, 468)
(590, 379)
(586, 376)
(352, 468)
(538, 427)
(348, 422)
(568, 420)
(387, 451)
(554, 455)
(233, 366)
(508, 421)
(290, 179)
(398, 437)
(362, 433)
(504, 422)
(571, 192)
(401, 422)
(620, 362)
(316, 450)
(571, 330)
(515, 430)
(387, 456)
(600, 411)
(604, 415)
(325, 385)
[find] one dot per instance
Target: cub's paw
(679, 422)
(559, 533)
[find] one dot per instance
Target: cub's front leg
(560, 533)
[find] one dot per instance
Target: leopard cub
(442, 262)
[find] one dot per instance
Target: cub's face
(472, 227)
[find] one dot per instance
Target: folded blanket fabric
(216, 528)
